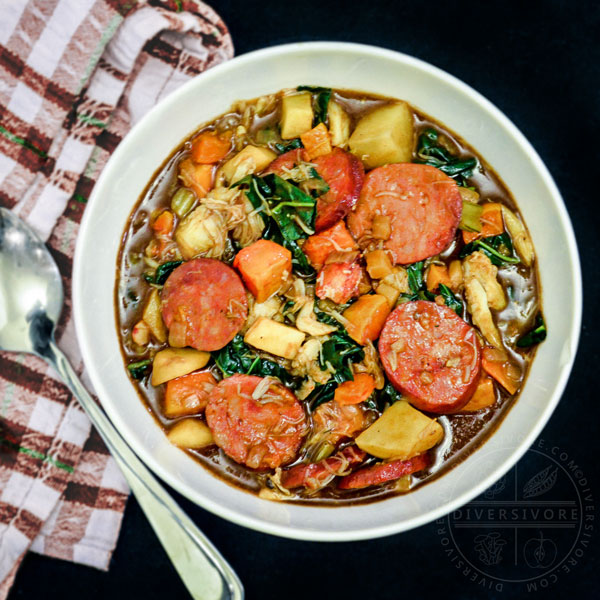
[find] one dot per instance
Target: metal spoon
(31, 300)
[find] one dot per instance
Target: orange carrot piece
(163, 224)
(366, 317)
(355, 392)
(316, 141)
(437, 274)
(188, 395)
(504, 372)
(339, 282)
(264, 265)
(199, 178)
(209, 148)
(491, 223)
(379, 264)
(483, 397)
(318, 247)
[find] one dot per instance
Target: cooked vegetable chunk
(437, 274)
(153, 318)
(379, 264)
(264, 266)
(401, 432)
(319, 246)
(484, 396)
(316, 141)
(385, 135)
(366, 317)
(496, 363)
(338, 282)
(491, 223)
(339, 124)
(188, 395)
(276, 338)
(251, 159)
(296, 115)
(355, 391)
(478, 266)
(519, 235)
(202, 232)
(175, 362)
(190, 433)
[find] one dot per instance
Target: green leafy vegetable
(470, 219)
(238, 357)
(535, 335)
(381, 399)
(451, 300)
(321, 394)
(138, 370)
(498, 248)
(338, 353)
(162, 272)
(431, 152)
(322, 97)
(415, 276)
(284, 147)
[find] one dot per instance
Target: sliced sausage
(430, 355)
(260, 428)
(423, 204)
(341, 422)
(315, 476)
(383, 472)
(287, 160)
(344, 174)
(188, 395)
(204, 304)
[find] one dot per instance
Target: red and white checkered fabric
(75, 75)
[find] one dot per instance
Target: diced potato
(175, 362)
(391, 293)
(190, 433)
(381, 227)
(203, 231)
(296, 115)
(400, 433)
(398, 279)
(366, 317)
(339, 124)
(455, 275)
(437, 274)
(385, 135)
(264, 266)
(152, 316)
(483, 397)
(379, 264)
(521, 240)
(251, 159)
(140, 333)
(276, 338)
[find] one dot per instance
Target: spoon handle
(206, 574)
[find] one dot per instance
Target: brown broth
(464, 432)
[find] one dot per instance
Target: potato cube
(296, 115)
(251, 159)
(391, 293)
(381, 227)
(152, 316)
(339, 124)
(400, 433)
(190, 433)
(366, 317)
(264, 266)
(385, 135)
(276, 338)
(484, 395)
(175, 362)
(379, 264)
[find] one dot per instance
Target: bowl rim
(294, 532)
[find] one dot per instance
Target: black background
(538, 62)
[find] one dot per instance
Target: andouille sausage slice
(204, 304)
(341, 421)
(287, 160)
(260, 427)
(344, 174)
(383, 472)
(423, 204)
(430, 355)
(314, 476)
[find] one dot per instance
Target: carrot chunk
(196, 177)
(263, 265)
(339, 282)
(379, 264)
(366, 317)
(355, 392)
(316, 141)
(163, 224)
(498, 365)
(209, 148)
(437, 274)
(318, 247)
(491, 223)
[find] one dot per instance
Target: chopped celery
(471, 217)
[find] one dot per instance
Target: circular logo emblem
(530, 526)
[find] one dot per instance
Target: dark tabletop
(538, 62)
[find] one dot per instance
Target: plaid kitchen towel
(75, 75)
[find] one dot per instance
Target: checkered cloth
(75, 75)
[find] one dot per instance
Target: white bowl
(349, 66)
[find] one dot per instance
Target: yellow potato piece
(385, 135)
(401, 433)
(276, 338)
(251, 159)
(152, 316)
(190, 433)
(339, 124)
(296, 115)
(175, 362)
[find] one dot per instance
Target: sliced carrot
(318, 247)
(196, 177)
(498, 365)
(316, 141)
(163, 224)
(366, 317)
(437, 274)
(188, 395)
(263, 265)
(209, 148)
(355, 392)
(491, 223)
(483, 397)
